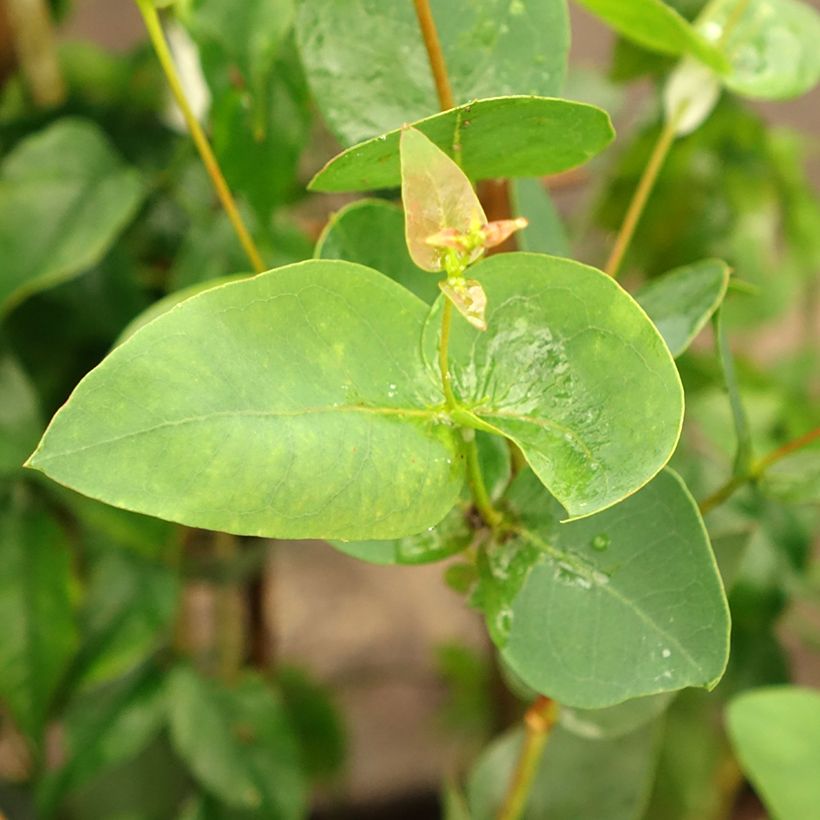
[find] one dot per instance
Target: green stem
(756, 470)
(538, 722)
(481, 497)
(641, 195)
(157, 36)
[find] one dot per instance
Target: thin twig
(434, 54)
(157, 35)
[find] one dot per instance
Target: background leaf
(20, 422)
(501, 137)
(64, 197)
(368, 67)
(546, 232)
(278, 405)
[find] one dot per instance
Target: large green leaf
(500, 137)
(615, 606)
(772, 45)
(371, 232)
(776, 734)
(369, 70)
(64, 197)
(292, 404)
(238, 743)
(573, 372)
(656, 26)
(19, 415)
(576, 779)
(35, 608)
(682, 301)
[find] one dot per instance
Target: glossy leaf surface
(573, 372)
(369, 71)
(616, 606)
(68, 182)
(371, 232)
(576, 779)
(682, 301)
(292, 404)
(772, 46)
(656, 26)
(776, 735)
(238, 743)
(40, 633)
(500, 137)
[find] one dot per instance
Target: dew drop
(666, 653)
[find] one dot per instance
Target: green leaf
(19, 415)
(657, 26)
(437, 196)
(615, 721)
(794, 479)
(572, 371)
(40, 634)
(64, 197)
(591, 612)
(682, 301)
(501, 137)
(293, 404)
(546, 232)
(576, 779)
(771, 46)
(238, 743)
(371, 232)
(369, 70)
(776, 734)
(106, 727)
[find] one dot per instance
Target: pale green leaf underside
(292, 404)
(576, 779)
(656, 26)
(776, 734)
(369, 71)
(772, 47)
(571, 370)
(682, 301)
(371, 232)
(500, 137)
(616, 606)
(64, 197)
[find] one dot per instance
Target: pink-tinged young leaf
(469, 298)
(437, 197)
(494, 233)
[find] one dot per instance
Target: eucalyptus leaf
(681, 302)
(291, 404)
(616, 606)
(576, 778)
(771, 45)
(614, 721)
(238, 743)
(572, 371)
(35, 607)
(546, 232)
(499, 137)
(776, 734)
(795, 479)
(371, 232)
(369, 70)
(655, 25)
(19, 415)
(68, 182)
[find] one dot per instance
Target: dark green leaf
(615, 606)
(656, 26)
(19, 415)
(546, 232)
(64, 197)
(238, 743)
(573, 372)
(371, 232)
(35, 608)
(682, 301)
(369, 70)
(576, 779)
(776, 734)
(502, 137)
(277, 405)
